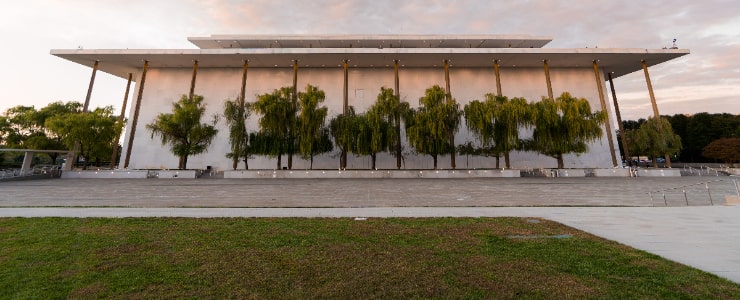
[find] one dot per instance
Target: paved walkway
(700, 235)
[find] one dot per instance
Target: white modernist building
(352, 69)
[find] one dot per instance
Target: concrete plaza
(705, 234)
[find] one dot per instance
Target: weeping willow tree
(278, 121)
(496, 121)
(564, 125)
(374, 134)
(655, 138)
(182, 129)
(430, 127)
(311, 122)
(236, 113)
(391, 111)
(344, 129)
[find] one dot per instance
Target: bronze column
(90, 87)
(192, 81)
(619, 121)
(398, 115)
(76, 147)
(345, 109)
(608, 126)
(295, 105)
(549, 83)
(242, 94)
(135, 119)
(498, 77)
(120, 119)
(656, 114)
(449, 99)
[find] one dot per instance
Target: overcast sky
(708, 79)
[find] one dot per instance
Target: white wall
(164, 86)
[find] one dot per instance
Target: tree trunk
(343, 160)
(311, 167)
(183, 162)
(452, 154)
(246, 163)
(290, 161)
(506, 159)
(561, 165)
(372, 158)
(279, 162)
(668, 161)
(497, 161)
(235, 163)
(435, 161)
(398, 142)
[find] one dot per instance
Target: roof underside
(618, 61)
(369, 41)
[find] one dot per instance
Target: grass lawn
(136, 258)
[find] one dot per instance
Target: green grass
(135, 258)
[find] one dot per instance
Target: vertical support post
(27, 159)
(120, 119)
(242, 93)
(295, 104)
(447, 80)
(90, 87)
(345, 95)
(656, 114)
(449, 98)
(135, 118)
(345, 109)
(192, 81)
(547, 78)
(398, 115)
(619, 121)
(498, 77)
(76, 148)
(608, 126)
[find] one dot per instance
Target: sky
(707, 80)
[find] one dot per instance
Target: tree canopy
(564, 125)
(182, 128)
(724, 149)
(236, 114)
(430, 126)
(278, 120)
(312, 135)
(654, 138)
(496, 121)
(95, 131)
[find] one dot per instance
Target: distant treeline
(696, 132)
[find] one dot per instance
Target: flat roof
(619, 61)
(369, 41)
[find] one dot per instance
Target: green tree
(182, 129)
(564, 125)
(656, 138)
(430, 127)
(496, 123)
(392, 111)
(95, 131)
(278, 121)
(236, 114)
(311, 122)
(344, 128)
(724, 149)
(374, 134)
(26, 127)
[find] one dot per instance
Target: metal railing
(702, 193)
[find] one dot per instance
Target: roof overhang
(615, 60)
(255, 41)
